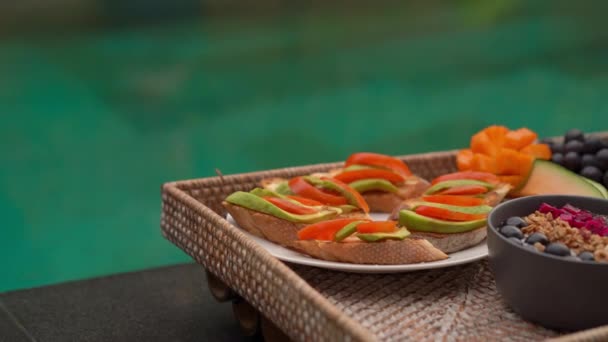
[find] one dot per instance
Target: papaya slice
(512, 162)
(482, 143)
(463, 159)
(519, 138)
(497, 134)
(484, 163)
(540, 151)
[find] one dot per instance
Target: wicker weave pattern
(456, 303)
(310, 304)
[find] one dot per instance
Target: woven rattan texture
(310, 304)
(453, 304)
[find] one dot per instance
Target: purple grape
(592, 172)
(558, 158)
(574, 146)
(574, 134)
(572, 161)
(602, 159)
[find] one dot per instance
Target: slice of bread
(450, 243)
(272, 228)
(389, 252)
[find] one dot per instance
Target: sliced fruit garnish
(454, 200)
(325, 230)
(351, 176)
(377, 227)
(482, 143)
(290, 207)
(475, 175)
(302, 188)
(304, 200)
(519, 138)
(457, 183)
(464, 159)
(347, 231)
(540, 151)
(352, 196)
(380, 160)
(445, 214)
(511, 162)
(373, 184)
(465, 190)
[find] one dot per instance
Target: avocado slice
(357, 167)
(421, 223)
(364, 185)
(333, 187)
(253, 202)
(283, 189)
(346, 208)
(456, 182)
(347, 231)
(475, 210)
(375, 237)
(265, 192)
(550, 178)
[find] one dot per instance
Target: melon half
(548, 178)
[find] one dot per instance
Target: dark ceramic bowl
(552, 291)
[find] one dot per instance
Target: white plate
(474, 253)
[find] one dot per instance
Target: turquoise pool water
(95, 120)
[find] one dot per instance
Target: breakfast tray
(459, 303)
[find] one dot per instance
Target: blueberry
(537, 237)
(516, 221)
(572, 161)
(586, 256)
(515, 241)
(573, 146)
(592, 172)
(605, 179)
(511, 231)
(557, 148)
(592, 144)
(602, 159)
(557, 248)
(574, 135)
(558, 158)
(588, 160)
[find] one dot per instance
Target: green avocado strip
(370, 184)
(333, 187)
(347, 231)
(456, 182)
(346, 208)
(357, 167)
(375, 237)
(421, 223)
(265, 192)
(475, 210)
(283, 189)
(253, 202)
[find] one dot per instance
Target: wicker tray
(311, 304)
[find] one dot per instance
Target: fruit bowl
(564, 293)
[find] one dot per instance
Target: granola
(558, 230)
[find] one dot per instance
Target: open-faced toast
(364, 242)
(382, 180)
(278, 218)
(452, 213)
(389, 252)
